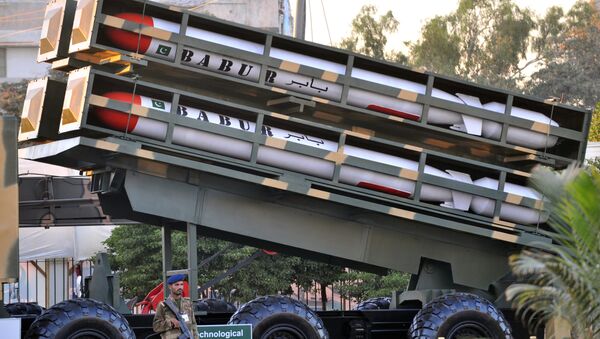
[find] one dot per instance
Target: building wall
(20, 63)
(20, 29)
(270, 15)
(263, 14)
(592, 151)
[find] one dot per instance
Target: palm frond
(562, 280)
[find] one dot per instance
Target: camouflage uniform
(163, 316)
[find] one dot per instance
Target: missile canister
(325, 89)
(278, 158)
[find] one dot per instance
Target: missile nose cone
(116, 120)
(128, 40)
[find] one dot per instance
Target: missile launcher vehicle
(191, 123)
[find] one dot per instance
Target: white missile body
(460, 122)
(326, 89)
(240, 149)
(525, 137)
(485, 206)
(281, 158)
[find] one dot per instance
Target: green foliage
(361, 286)
(307, 271)
(368, 35)
(308, 274)
(137, 255)
(265, 275)
(595, 127)
(568, 52)
(438, 49)
(12, 96)
(593, 164)
(483, 41)
(135, 251)
(563, 280)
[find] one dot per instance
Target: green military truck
(194, 124)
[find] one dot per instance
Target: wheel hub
(88, 334)
(468, 330)
(283, 332)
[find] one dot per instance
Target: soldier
(166, 321)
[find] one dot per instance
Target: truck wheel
(80, 318)
(212, 305)
(459, 315)
(274, 317)
(24, 309)
(380, 303)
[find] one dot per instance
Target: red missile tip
(383, 189)
(391, 111)
(131, 41)
(117, 120)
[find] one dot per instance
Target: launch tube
(288, 160)
(460, 122)
(240, 149)
(407, 109)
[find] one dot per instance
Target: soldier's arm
(160, 323)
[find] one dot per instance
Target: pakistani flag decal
(158, 104)
(163, 50)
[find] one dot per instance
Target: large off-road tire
(459, 316)
(211, 305)
(379, 303)
(80, 318)
(24, 309)
(275, 317)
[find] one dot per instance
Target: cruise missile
(457, 121)
(404, 106)
(525, 137)
(240, 149)
(192, 57)
(528, 216)
(283, 159)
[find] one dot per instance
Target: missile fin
(459, 127)
(460, 200)
(471, 125)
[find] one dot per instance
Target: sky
(412, 15)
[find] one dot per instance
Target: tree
(12, 95)
(595, 128)
(359, 286)
(568, 52)
(309, 274)
(135, 252)
(563, 278)
(483, 41)
(266, 275)
(438, 49)
(136, 255)
(368, 35)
